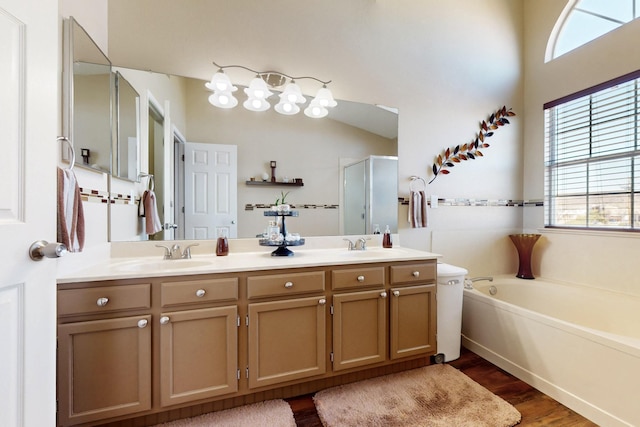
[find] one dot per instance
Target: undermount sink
(162, 264)
(373, 252)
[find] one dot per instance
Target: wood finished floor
(536, 408)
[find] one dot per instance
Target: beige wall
(596, 259)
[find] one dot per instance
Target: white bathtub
(579, 345)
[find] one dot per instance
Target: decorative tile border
(480, 202)
(123, 199)
(94, 196)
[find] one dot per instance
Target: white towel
(417, 209)
(149, 209)
(70, 212)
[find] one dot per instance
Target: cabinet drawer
(357, 277)
(104, 299)
(199, 291)
(285, 284)
(413, 273)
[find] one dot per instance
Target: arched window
(586, 20)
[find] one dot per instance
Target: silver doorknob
(360, 279)
(396, 293)
(101, 302)
(233, 221)
(200, 293)
(164, 320)
(168, 226)
(383, 294)
(288, 285)
(416, 274)
(42, 248)
(142, 323)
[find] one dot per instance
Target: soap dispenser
(386, 238)
(222, 245)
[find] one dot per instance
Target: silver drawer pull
(200, 293)
(383, 294)
(322, 301)
(396, 293)
(142, 323)
(416, 274)
(288, 285)
(360, 279)
(101, 302)
(164, 320)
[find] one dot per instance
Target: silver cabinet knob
(200, 293)
(360, 279)
(142, 323)
(101, 302)
(164, 320)
(322, 301)
(383, 294)
(416, 274)
(288, 285)
(396, 293)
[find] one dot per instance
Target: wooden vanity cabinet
(104, 352)
(198, 346)
(142, 347)
(286, 339)
(412, 310)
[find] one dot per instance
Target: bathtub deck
(536, 408)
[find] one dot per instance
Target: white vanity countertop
(128, 266)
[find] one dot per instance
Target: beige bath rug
(436, 395)
(272, 413)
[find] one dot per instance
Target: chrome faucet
(359, 245)
(362, 242)
(351, 245)
(174, 251)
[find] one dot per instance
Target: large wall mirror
(314, 151)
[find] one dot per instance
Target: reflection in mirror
(88, 122)
(127, 129)
(314, 151)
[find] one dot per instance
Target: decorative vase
(524, 244)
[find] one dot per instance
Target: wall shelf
(277, 183)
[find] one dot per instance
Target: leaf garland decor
(471, 151)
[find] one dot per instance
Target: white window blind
(592, 157)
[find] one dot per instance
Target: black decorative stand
(282, 245)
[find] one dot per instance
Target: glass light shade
(315, 110)
(220, 82)
(285, 107)
(258, 89)
(256, 104)
(223, 100)
(325, 97)
(292, 94)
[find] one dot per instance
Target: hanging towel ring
(151, 184)
(416, 187)
(73, 152)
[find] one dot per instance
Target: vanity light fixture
(259, 91)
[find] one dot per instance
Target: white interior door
(211, 192)
(29, 115)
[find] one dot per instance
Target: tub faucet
(475, 279)
(468, 283)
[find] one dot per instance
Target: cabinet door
(413, 320)
(286, 340)
(359, 329)
(104, 368)
(198, 354)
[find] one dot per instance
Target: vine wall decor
(460, 153)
